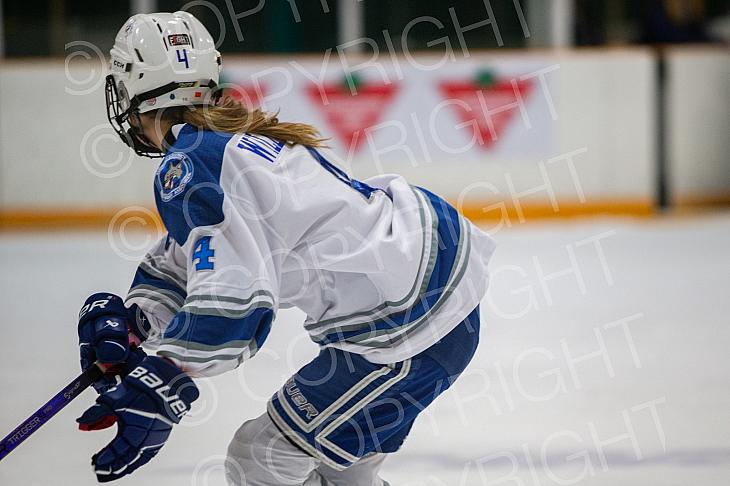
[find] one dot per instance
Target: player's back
(380, 267)
(337, 236)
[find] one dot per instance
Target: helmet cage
(119, 117)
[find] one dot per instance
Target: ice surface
(615, 373)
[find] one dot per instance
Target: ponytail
(233, 117)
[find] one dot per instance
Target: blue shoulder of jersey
(187, 182)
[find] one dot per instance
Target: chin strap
(139, 143)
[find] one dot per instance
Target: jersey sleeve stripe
(155, 270)
(231, 345)
(213, 330)
(228, 299)
(225, 312)
(154, 296)
(172, 296)
(159, 281)
(249, 350)
(227, 306)
(153, 289)
(205, 339)
(185, 358)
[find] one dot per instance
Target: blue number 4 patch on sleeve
(203, 254)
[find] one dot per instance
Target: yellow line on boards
(75, 219)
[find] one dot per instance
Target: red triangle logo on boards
(488, 100)
(348, 114)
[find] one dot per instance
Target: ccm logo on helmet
(153, 381)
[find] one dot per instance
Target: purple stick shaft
(51, 408)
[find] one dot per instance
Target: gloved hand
(109, 333)
(150, 399)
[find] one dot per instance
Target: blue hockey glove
(149, 401)
(109, 334)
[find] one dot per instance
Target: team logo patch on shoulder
(174, 173)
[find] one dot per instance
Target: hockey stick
(51, 408)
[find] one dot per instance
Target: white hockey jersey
(381, 268)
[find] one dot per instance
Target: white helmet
(158, 61)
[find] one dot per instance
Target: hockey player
(389, 276)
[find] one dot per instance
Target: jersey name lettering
(264, 147)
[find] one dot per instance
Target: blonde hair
(231, 116)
